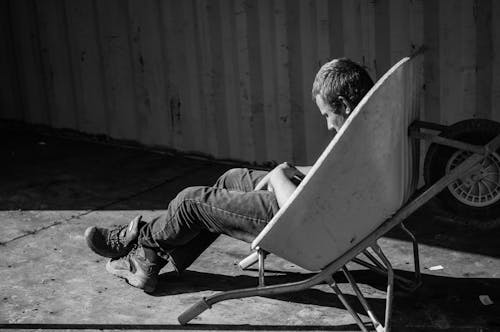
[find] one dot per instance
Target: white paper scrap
(485, 299)
(435, 268)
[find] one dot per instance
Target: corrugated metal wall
(232, 78)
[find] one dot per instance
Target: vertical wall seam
(336, 30)
(101, 67)
(432, 73)
(382, 37)
(72, 72)
(254, 44)
(207, 147)
(137, 133)
(41, 67)
(21, 102)
(484, 58)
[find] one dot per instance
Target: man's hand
(282, 181)
(290, 172)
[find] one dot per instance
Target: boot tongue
(122, 235)
(150, 254)
(131, 232)
(153, 257)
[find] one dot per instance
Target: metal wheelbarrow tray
(363, 185)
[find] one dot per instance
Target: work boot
(115, 242)
(140, 268)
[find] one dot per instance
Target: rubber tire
(474, 131)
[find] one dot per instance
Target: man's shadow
(456, 300)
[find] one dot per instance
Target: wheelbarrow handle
(249, 260)
(193, 311)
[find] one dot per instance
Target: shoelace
(115, 237)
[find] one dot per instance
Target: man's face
(334, 118)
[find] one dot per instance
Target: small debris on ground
(435, 268)
(485, 300)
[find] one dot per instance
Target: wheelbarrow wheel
(476, 194)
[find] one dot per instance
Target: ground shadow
(194, 281)
(431, 227)
(457, 299)
(176, 327)
(42, 171)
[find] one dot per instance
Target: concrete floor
(53, 188)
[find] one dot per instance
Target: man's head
(338, 87)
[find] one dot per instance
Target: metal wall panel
(232, 78)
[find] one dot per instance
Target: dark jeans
(198, 215)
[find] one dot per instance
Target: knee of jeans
(230, 176)
(185, 199)
(188, 194)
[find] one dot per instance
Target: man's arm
(283, 181)
(281, 185)
(295, 173)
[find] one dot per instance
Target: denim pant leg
(241, 179)
(196, 218)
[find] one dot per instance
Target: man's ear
(346, 105)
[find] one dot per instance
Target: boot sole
(138, 280)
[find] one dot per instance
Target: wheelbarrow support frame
(382, 264)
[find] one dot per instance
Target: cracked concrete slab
(50, 280)
(49, 183)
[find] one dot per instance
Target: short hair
(341, 77)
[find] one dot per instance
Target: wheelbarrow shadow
(441, 301)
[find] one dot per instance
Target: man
(240, 204)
